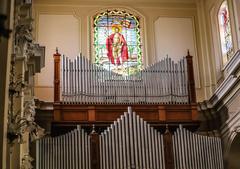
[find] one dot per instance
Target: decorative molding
(236, 129)
(229, 131)
(229, 83)
(231, 123)
(217, 106)
(232, 64)
(29, 58)
(27, 162)
(188, 4)
(21, 121)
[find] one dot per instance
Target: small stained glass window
(225, 32)
(117, 42)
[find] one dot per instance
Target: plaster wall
(60, 31)
(68, 26)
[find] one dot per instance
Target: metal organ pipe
(160, 83)
(128, 151)
(129, 143)
(69, 151)
(195, 151)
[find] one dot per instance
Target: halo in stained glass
(117, 42)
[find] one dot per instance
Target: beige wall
(174, 37)
(212, 28)
(174, 32)
(197, 40)
(60, 31)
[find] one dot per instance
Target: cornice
(225, 94)
(136, 3)
(231, 81)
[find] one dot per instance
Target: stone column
(6, 8)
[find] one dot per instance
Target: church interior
(106, 84)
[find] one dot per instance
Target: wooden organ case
(84, 93)
(142, 121)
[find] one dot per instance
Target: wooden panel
(149, 115)
(179, 116)
(74, 116)
(108, 115)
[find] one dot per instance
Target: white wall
(149, 14)
(174, 37)
(60, 31)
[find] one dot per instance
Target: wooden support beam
(191, 82)
(168, 149)
(162, 113)
(94, 150)
(56, 57)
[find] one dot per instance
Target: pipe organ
(130, 142)
(164, 82)
(196, 151)
(68, 151)
(87, 92)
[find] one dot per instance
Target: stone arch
(234, 153)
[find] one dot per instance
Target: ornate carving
(22, 124)
(19, 123)
(27, 162)
(23, 30)
(236, 129)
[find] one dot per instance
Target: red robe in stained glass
(123, 56)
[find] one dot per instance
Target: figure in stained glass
(117, 46)
(117, 42)
(225, 32)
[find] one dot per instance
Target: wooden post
(94, 149)
(191, 82)
(56, 57)
(162, 113)
(168, 149)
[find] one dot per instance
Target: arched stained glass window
(225, 32)
(117, 42)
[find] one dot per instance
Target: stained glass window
(117, 42)
(225, 32)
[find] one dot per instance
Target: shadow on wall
(234, 154)
(212, 116)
